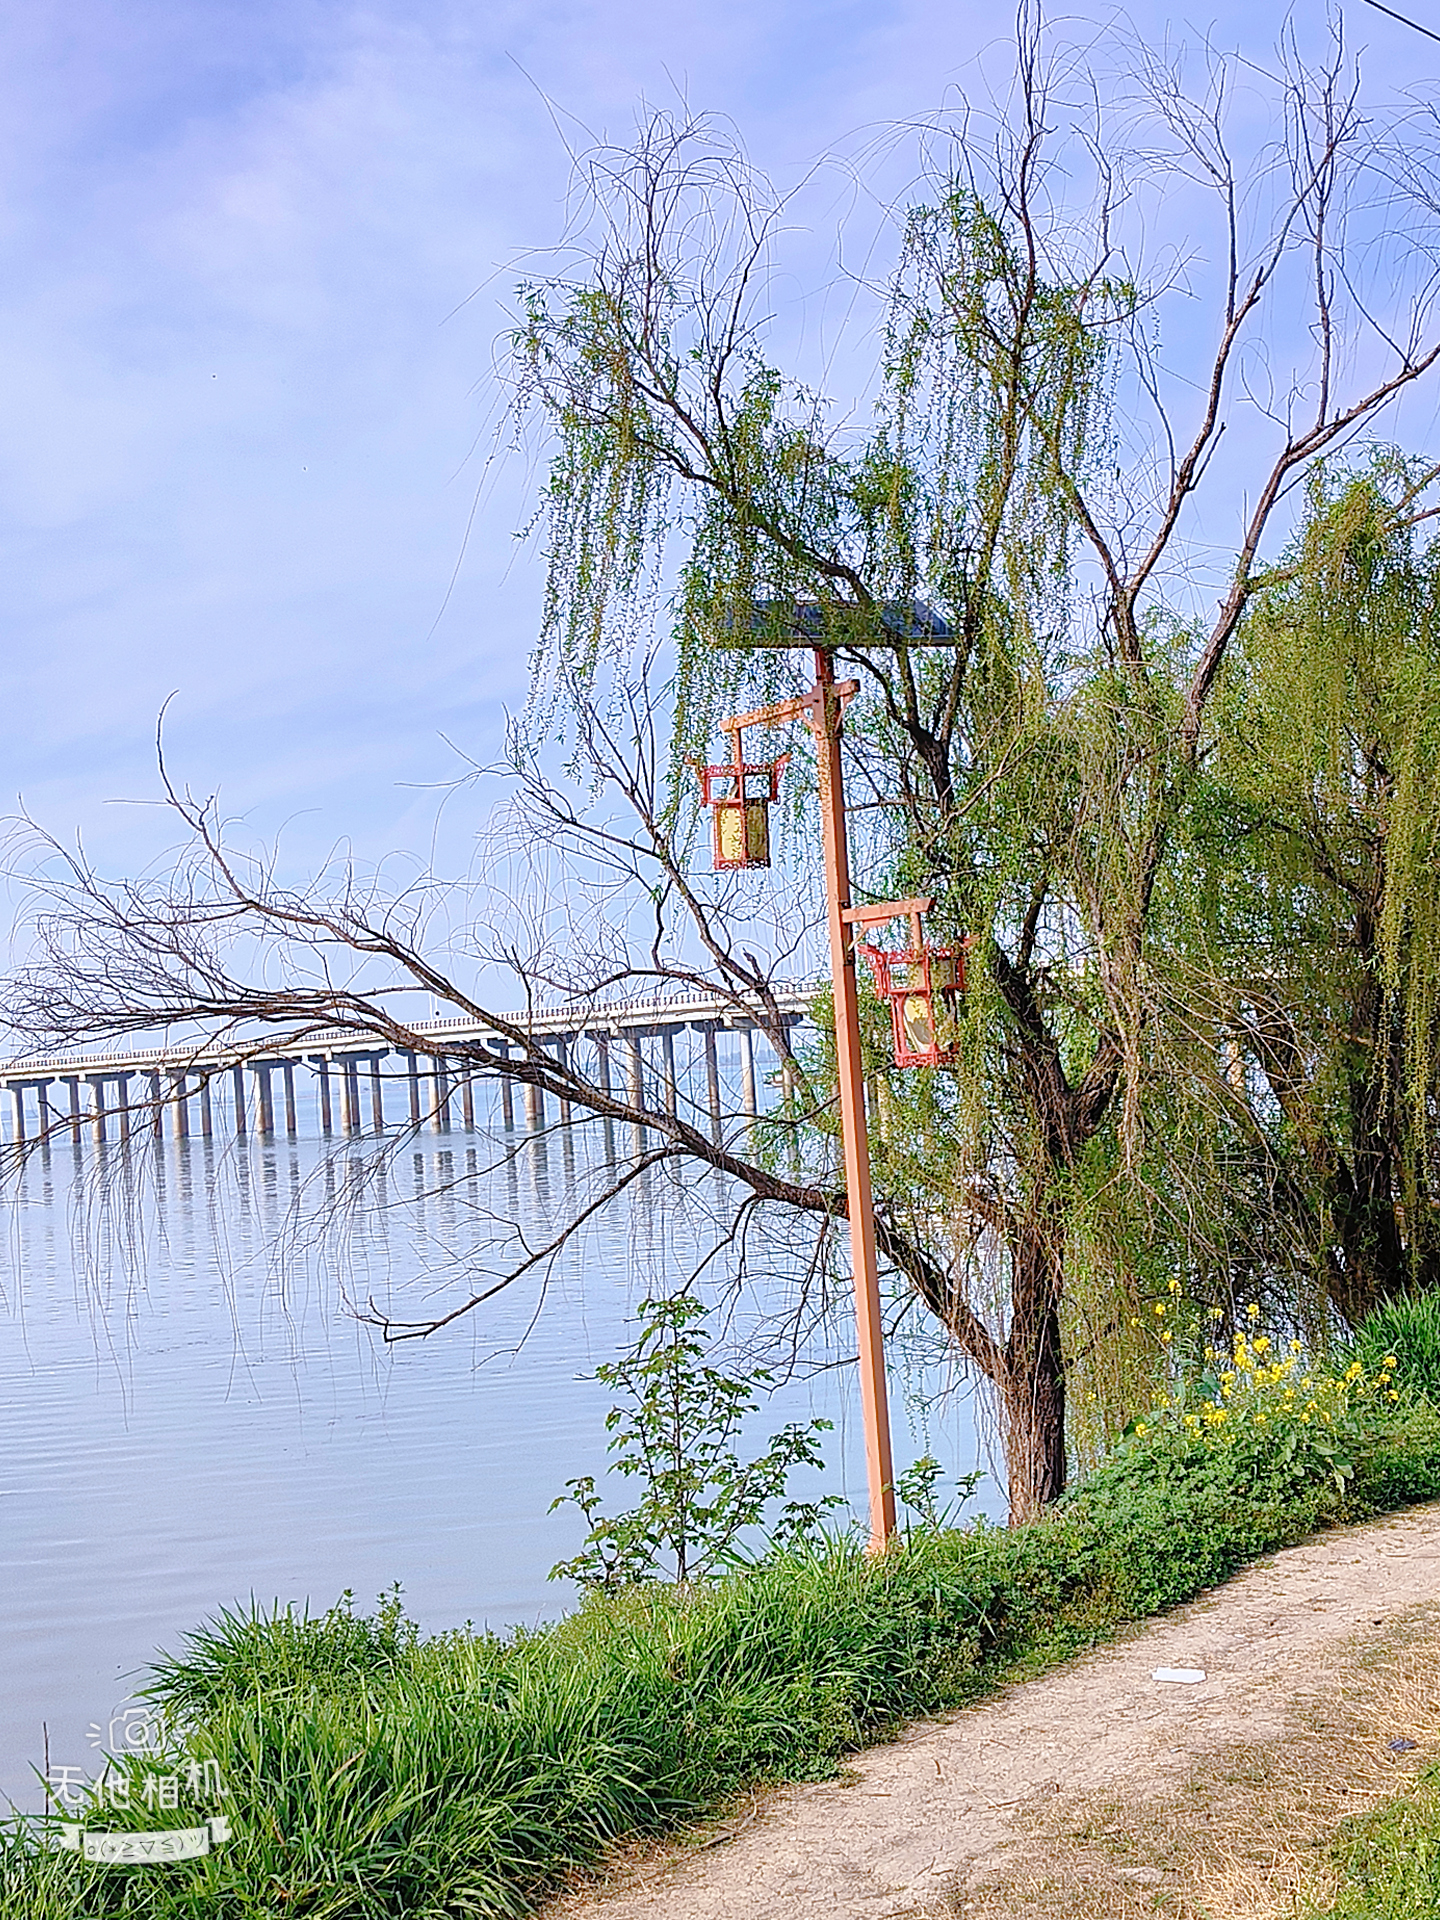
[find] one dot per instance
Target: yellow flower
(1391, 1361)
(1139, 1426)
(1174, 1286)
(1160, 1306)
(1252, 1312)
(1167, 1337)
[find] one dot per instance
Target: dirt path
(1100, 1790)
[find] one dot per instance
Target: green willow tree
(1320, 823)
(1032, 775)
(1027, 463)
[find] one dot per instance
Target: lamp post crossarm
(883, 910)
(803, 703)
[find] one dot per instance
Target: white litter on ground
(1181, 1676)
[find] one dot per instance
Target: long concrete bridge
(194, 1088)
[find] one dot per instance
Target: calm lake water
(193, 1410)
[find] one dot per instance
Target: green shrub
(674, 1432)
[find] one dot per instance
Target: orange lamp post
(821, 709)
(921, 983)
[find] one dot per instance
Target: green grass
(1391, 1859)
(376, 1773)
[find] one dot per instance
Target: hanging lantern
(924, 986)
(741, 795)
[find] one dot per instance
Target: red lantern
(741, 795)
(924, 985)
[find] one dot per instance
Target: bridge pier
(47, 1118)
(261, 1071)
(667, 1054)
(745, 1036)
(707, 1031)
(322, 1067)
(72, 1081)
(635, 1087)
(602, 1080)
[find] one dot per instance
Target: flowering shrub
(1289, 1419)
(1278, 1417)
(1256, 1437)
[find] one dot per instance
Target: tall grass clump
(1406, 1330)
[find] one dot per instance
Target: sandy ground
(1072, 1793)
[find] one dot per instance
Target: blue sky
(242, 376)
